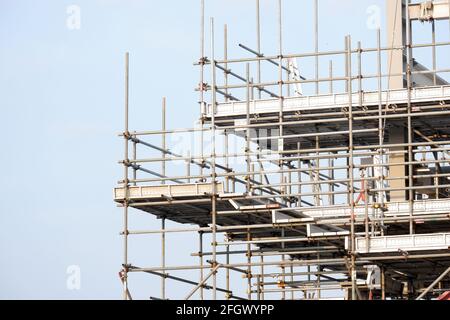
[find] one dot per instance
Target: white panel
(416, 242)
(179, 190)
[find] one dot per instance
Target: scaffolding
(343, 194)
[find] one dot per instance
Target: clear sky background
(62, 94)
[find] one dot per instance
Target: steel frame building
(349, 191)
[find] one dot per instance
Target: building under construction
(304, 195)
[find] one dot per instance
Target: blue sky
(62, 108)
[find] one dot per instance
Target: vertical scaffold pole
(163, 258)
(351, 166)
(225, 57)
(380, 127)
(258, 44)
(227, 274)
(316, 43)
(280, 86)
(126, 182)
(410, 129)
(163, 138)
(202, 85)
(248, 160)
(200, 256)
(163, 173)
(213, 164)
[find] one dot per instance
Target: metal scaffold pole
(126, 183)
(258, 43)
(213, 166)
(351, 168)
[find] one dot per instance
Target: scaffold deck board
(167, 191)
(192, 204)
(393, 209)
(333, 101)
(403, 243)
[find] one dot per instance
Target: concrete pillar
(396, 36)
(397, 134)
